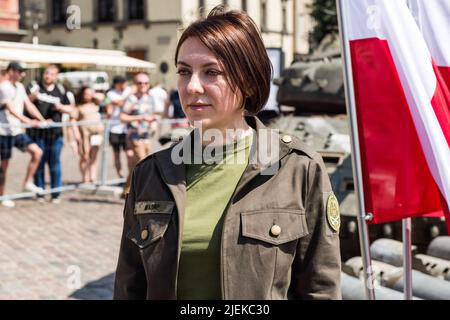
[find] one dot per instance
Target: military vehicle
(314, 83)
(312, 88)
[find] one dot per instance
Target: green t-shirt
(209, 190)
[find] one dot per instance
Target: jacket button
(275, 230)
(144, 234)
(287, 139)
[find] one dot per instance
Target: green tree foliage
(325, 15)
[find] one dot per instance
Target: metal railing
(104, 157)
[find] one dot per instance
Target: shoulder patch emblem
(333, 214)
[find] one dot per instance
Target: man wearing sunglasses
(138, 114)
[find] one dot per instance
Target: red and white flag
(433, 18)
(402, 112)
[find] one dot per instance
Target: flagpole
(356, 161)
(407, 259)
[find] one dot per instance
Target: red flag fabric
(402, 112)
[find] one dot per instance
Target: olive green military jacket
(280, 231)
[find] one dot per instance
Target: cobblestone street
(49, 250)
(59, 251)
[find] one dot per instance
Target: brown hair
(53, 66)
(235, 40)
(79, 98)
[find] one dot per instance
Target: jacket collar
(267, 150)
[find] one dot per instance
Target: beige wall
(304, 24)
(189, 11)
(87, 10)
(164, 10)
(166, 18)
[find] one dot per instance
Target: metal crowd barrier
(104, 156)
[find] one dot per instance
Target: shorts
(86, 137)
(20, 141)
(118, 141)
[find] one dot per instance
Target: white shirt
(113, 95)
(159, 97)
(16, 95)
(138, 106)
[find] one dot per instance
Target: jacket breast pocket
(153, 220)
(274, 226)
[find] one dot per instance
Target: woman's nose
(195, 85)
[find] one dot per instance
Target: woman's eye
(183, 72)
(213, 72)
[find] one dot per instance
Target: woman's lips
(199, 107)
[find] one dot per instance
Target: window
(105, 10)
(58, 11)
(136, 9)
(138, 54)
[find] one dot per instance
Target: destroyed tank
(312, 102)
(314, 83)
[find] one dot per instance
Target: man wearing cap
(13, 100)
(52, 101)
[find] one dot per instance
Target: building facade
(9, 21)
(149, 29)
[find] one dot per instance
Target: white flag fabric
(402, 111)
(433, 19)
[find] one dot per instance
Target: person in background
(174, 110)
(13, 100)
(90, 135)
(102, 102)
(117, 97)
(138, 115)
(52, 101)
(71, 133)
(159, 97)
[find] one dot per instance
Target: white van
(97, 80)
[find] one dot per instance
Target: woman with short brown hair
(234, 211)
(242, 54)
